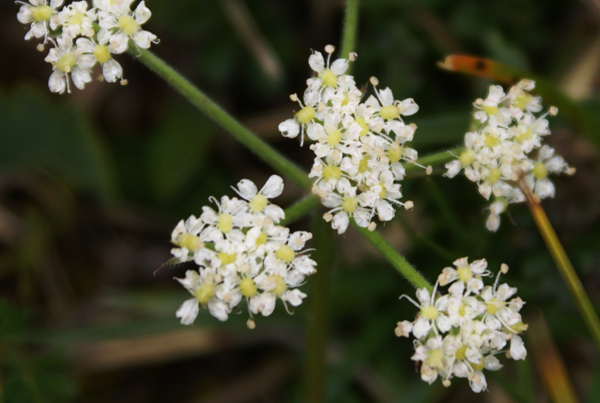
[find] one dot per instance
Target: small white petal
(188, 311)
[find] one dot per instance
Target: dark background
(92, 183)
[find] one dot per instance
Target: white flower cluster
(78, 42)
(506, 147)
(460, 334)
(359, 146)
(241, 253)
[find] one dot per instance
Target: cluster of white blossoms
(507, 147)
(242, 254)
(460, 333)
(359, 146)
(84, 36)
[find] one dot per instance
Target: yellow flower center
(467, 157)
(522, 101)
(429, 312)
(519, 327)
(461, 352)
(480, 366)
(76, 18)
(328, 78)
(66, 62)
(494, 175)
(204, 293)
(349, 204)
(491, 141)
(258, 203)
(383, 193)
(285, 253)
(464, 273)
(280, 285)
(491, 110)
(41, 13)
(435, 359)
(248, 288)
(334, 138)
(539, 170)
(389, 112)
(363, 165)
(128, 25)
(526, 135)
(226, 258)
(331, 172)
(188, 241)
(101, 53)
(395, 152)
(261, 239)
(305, 115)
(494, 306)
(346, 100)
(225, 222)
(462, 310)
(365, 129)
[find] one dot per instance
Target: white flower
(327, 75)
(41, 16)
(258, 200)
(499, 153)
(127, 25)
(68, 62)
(538, 177)
(77, 20)
(242, 255)
(477, 323)
(359, 146)
(111, 69)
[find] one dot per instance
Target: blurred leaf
(12, 321)
(26, 377)
(177, 153)
(57, 137)
(36, 379)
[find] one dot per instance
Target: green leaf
(58, 138)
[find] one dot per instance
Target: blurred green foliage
(92, 183)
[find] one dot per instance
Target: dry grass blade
(549, 362)
(565, 268)
(244, 24)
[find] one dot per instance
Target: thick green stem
(318, 305)
(300, 209)
(350, 28)
(409, 272)
(216, 113)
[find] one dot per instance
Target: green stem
(434, 159)
(300, 209)
(350, 28)
(318, 303)
(409, 272)
(565, 268)
(216, 113)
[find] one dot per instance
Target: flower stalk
(350, 28)
(410, 273)
(226, 121)
(564, 266)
